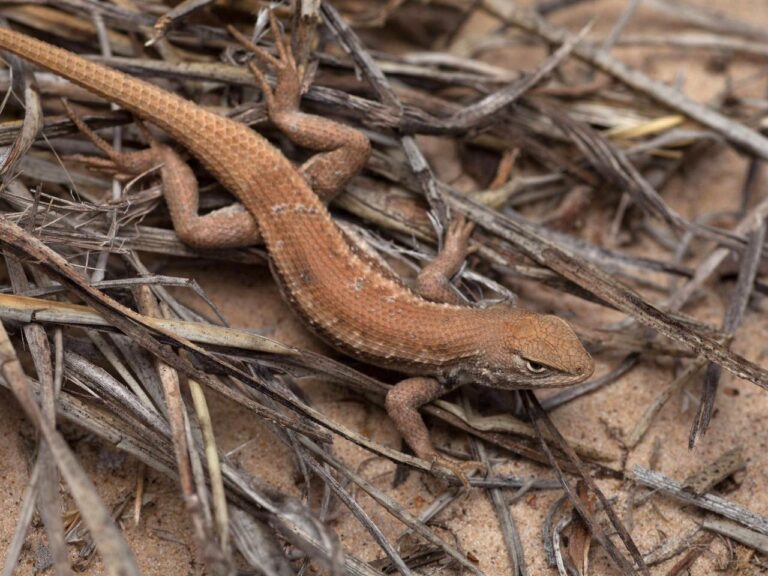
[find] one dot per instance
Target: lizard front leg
(402, 403)
(434, 280)
(229, 227)
(344, 150)
(404, 399)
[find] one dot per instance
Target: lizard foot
(460, 470)
(128, 163)
(287, 91)
(457, 236)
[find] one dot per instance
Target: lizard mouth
(503, 379)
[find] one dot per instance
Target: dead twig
(709, 502)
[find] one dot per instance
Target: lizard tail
(189, 124)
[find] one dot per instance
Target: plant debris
(579, 158)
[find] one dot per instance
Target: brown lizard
(341, 293)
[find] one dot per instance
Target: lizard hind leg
(229, 227)
(343, 150)
(131, 163)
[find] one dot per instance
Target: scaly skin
(339, 293)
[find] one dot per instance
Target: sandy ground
(248, 298)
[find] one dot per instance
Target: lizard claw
(287, 91)
(460, 470)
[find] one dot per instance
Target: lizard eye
(535, 367)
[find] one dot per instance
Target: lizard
(429, 333)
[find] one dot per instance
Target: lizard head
(532, 351)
